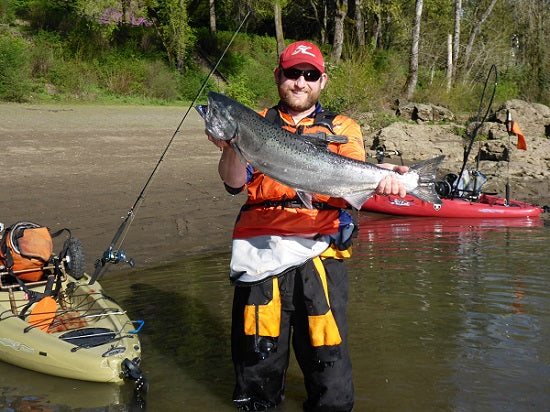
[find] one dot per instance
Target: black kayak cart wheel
(74, 258)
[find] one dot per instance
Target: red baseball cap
(302, 52)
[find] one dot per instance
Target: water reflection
(444, 315)
(447, 307)
(23, 390)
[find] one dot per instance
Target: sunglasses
(309, 75)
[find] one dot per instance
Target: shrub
(351, 85)
(7, 12)
(42, 53)
(15, 80)
(121, 73)
(248, 64)
(239, 89)
(190, 83)
(73, 79)
(159, 81)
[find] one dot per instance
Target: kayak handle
(140, 323)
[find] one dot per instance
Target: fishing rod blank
(483, 108)
(114, 253)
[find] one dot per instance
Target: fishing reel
(444, 188)
(116, 256)
(109, 256)
(382, 153)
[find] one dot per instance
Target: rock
(420, 113)
(418, 142)
(50, 89)
(442, 114)
(494, 150)
(488, 130)
(423, 113)
(405, 110)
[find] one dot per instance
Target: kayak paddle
(43, 312)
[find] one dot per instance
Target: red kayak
(486, 206)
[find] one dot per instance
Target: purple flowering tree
(126, 12)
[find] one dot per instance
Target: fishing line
(478, 123)
(114, 254)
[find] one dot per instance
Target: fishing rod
(478, 124)
(114, 253)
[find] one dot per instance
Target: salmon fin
(322, 139)
(357, 200)
(426, 193)
(314, 140)
(426, 169)
(306, 198)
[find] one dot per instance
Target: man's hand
(221, 144)
(390, 185)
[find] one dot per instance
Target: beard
(301, 103)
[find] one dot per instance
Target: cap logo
(303, 49)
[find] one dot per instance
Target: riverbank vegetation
(160, 52)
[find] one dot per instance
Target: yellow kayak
(81, 333)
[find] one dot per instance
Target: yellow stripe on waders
(323, 330)
(264, 320)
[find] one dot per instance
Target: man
(287, 260)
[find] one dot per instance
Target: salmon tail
(426, 180)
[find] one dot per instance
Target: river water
(445, 315)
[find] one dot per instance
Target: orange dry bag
(25, 246)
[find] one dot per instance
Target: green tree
(320, 12)
(530, 40)
(480, 17)
(212, 16)
(171, 20)
(278, 19)
(456, 37)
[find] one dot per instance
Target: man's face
(298, 93)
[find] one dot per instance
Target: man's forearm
(231, 169)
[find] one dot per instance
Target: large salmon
(300, 162)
